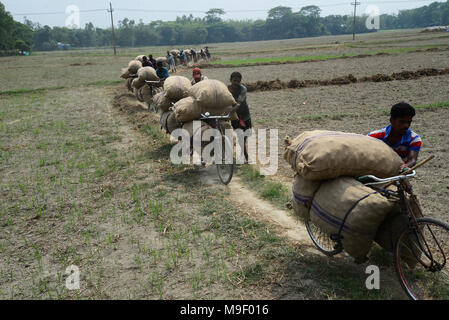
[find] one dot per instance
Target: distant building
(63, 46)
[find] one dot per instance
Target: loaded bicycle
(224, 161)
(420, 249)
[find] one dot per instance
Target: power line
(203, 12)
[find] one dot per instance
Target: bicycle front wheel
(225, 170)
(421, 256)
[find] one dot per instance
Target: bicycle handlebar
(382, 181)
(153, 82)
(208, 116)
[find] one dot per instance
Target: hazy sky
(169, 10)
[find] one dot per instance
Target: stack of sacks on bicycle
(176, 88)
(210, 96)
(190, 102)
(143, 92)
(325, 189)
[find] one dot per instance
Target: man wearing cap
(197, 76)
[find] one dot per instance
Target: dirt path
(261, 209)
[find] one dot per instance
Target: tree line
(282, 23)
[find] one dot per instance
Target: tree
(311, 11)
(214, 15)
(279, 13)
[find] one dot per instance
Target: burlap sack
(129, 83)
(138, 83)
(125, 73)
(322, 155)
(147, 74)
(212, 94)
(137, 93)
(168, 122)
(187, 110)
(303, 193)
(134, 66)
(175, 53)
(140, 58)
(162, 102)
(333, 201)
(177, 88)
(146, 94)
(203, 127)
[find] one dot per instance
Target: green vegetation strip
(40, 90)
(297, 59)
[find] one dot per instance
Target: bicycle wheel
(225, 170)
(321, 239)
(421, 256)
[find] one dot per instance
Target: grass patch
(27, 91)
(42, 90)
(433, 106)
(273, 191)
(238, 62)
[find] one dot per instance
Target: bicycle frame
(409, 219)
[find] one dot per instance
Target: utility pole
(355, 4)
(113, 32)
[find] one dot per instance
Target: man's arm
(242, 96)
(412, 158)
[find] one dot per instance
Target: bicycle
(225, 167)
(420, 249)
(156, 87)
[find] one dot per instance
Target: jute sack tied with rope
(303, 193)
(357, 210)
(177, 88)
(323, 155)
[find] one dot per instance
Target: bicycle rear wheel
(421, 255)
(321, 239)
(225, 170)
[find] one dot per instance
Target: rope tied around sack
(338, 237)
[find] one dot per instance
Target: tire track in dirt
(275, 85)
